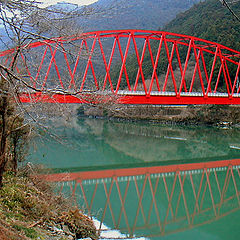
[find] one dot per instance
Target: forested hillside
(134, 14)
(209, 20)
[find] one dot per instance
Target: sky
(79, 2)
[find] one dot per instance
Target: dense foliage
(209, 20)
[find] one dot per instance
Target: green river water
(144, 180)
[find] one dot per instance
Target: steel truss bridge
(127, 66)
(156, 201)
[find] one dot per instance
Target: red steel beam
(128, 99)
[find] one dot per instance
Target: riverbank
(180, 114)
(29, 209)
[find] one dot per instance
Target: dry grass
(28, 207)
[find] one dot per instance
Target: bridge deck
(133, 97)
(188, 94)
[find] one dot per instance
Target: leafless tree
(24, 22)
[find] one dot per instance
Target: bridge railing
(138, 66)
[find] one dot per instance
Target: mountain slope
(209, 20)
(134, 14)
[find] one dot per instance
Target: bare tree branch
(225, 3)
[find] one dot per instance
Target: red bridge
(127, 66)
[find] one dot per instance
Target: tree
(13, 130)
(23, 22)
(26, 22)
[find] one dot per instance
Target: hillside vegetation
(207, 20)
(29, 209)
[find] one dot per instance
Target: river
(145, 180)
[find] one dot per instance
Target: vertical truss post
(223, 190)
(108, 194)
(170, 64)
(179, 196)
(224, 71)
(109, 63)
(105, 63)
(170, 69)
(217, 181)
(156, 63)
(140, 197)
(75, 67)
(179, 62)
(236, 79)
(197, 56)
(212, 70)
(40, 66)
(204, 67)
(49, 66)
(197, 198)
(184, 198)
(139, 63)
(228, 75)
(235, 186)
(168, 196)
(140, 66)
(218, 79)
(73, 190)
(152, 60)
(155, 203)
(123, 67)
(194, 193)
(69, 69)
(210, 190)
(170, 201)
(152, 202)
(185, 67)
(122, 200)
(56, 68)
(93, 196)
(89, 63)
(84, 197)
(24, 62)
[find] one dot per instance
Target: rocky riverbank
(185, 114)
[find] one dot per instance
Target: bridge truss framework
(127, 66)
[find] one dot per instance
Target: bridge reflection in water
(159, 200)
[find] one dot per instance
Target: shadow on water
(148, 180)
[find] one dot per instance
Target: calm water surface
(146, 180)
